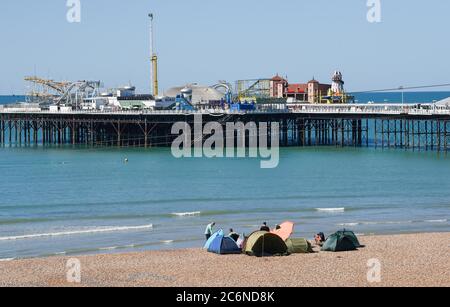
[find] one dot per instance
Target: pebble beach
(409, 260)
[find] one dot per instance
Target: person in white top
(209, 230)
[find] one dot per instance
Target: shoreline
(122, 250)
(405, 259)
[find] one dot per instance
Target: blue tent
(223, 245)
(217, 233)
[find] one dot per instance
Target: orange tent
(285, 231)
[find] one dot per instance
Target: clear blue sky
(205, 41)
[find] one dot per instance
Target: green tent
(299, 246)
(341, 241)
(263, 243)
(351, 235)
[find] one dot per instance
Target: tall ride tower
(154, 61)
(337, 87)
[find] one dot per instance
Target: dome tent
(351, 235)
(341, 241)
(299, 246)
(223, 245)
(263, 243)
(212, 238)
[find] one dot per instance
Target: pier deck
(422, 127)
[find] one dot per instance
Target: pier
(413, 127)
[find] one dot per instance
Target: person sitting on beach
(320, 238)
(209, 230)
(233, 235)
(264, 227)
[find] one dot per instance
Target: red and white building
(302, 92)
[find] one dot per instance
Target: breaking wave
(436, 221)
(181, 214)
(77, 232)
(330, 209)
(376, 223)
(391, 222)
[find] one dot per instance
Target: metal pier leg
(58, 138)
(303, 132)
(432, 135)
(35, 133)
(92, 133)
(388, 133)
(15, 133)
(401, 134)
(309, 132)
(73, 133)
(29, 132)
(375, 133)
(438, 123)
(20, 132)
(359, 132)
(445, 137)
(146, 133)
(395, 133)
(24, 127)
(118, 134)
(10, 132)
(367, 133)
(2, 131)
(406, 134)
(419, 132)
(44, 133)
(285, 133)
(409, 133)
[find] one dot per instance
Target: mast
(153, 60)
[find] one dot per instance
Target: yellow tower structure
(154, 61)
(155, 75)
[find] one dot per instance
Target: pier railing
(362, 109)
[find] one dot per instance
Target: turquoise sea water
(75, 201)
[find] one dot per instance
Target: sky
(205, 41)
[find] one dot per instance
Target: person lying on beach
(233, 235)
(264, 227)
(320, 238)
(209, 230)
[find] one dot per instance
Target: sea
(72, 201)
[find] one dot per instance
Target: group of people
(209, 231)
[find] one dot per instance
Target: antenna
(154, 60)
